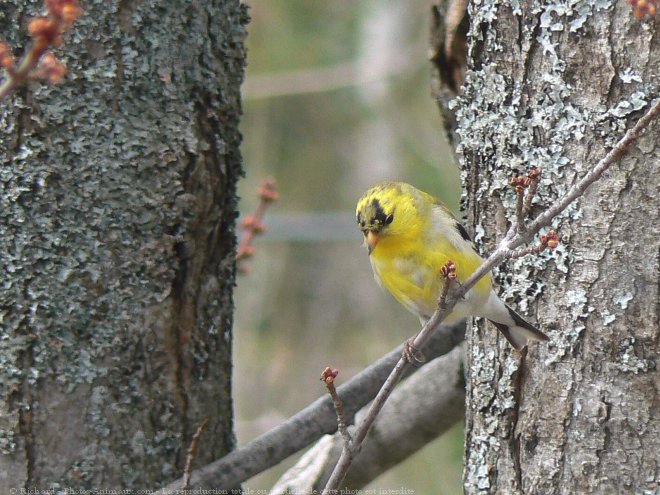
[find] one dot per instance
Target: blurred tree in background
(337, 97)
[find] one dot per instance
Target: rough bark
(116, 246)
(553, 85)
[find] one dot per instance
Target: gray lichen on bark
(553, 85)
(117, 239)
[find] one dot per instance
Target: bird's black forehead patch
(379, 215)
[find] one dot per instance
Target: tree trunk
(117, 246)
(554, 86)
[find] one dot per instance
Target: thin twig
(534, 177)
(192, 452)
(328, 377)
(546, 241)
(545, 218)
(524, 201)
(253, 224)
(511, 241)
(360, 433)
(448, 275)
(520, 217)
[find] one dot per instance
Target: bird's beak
(372, 240)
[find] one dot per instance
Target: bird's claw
(411, 354)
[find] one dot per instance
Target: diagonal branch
(512, 240)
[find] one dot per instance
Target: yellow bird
(410, 236)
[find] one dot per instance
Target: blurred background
(337, 97)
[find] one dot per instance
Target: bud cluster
(38, 63)
(644, 7)
(61, 14)
(448, 270)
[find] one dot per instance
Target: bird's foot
(411, 354)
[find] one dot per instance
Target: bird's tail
(518, 331)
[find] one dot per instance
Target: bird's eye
(389, 219)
